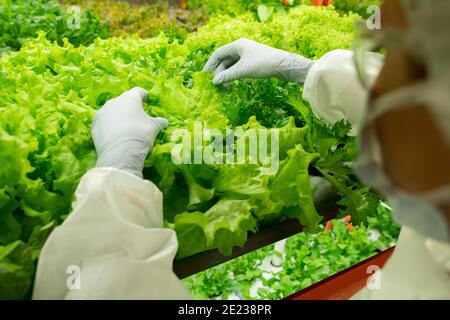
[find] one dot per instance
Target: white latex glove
(245, 58)
(123, 133)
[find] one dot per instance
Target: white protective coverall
(115, 239)
(115, 234)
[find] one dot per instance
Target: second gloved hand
(245, 58)
(123, 133)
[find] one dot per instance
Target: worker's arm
(113, 244)
(245, 58)
(331, 85)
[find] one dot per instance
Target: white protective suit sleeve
(419, 268)
(113, 244)
(333, 90)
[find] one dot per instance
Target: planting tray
(343, 285)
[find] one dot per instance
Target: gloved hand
(245, 58)
(123, 133)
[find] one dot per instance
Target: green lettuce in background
(23, 19)
(264, 9)
(49, 94)
(308, 259)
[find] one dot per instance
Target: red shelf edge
(344, 284)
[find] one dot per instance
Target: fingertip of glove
(161, 122)
(142, 93)
(217, 80)
(164, 122)
(206, 68)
